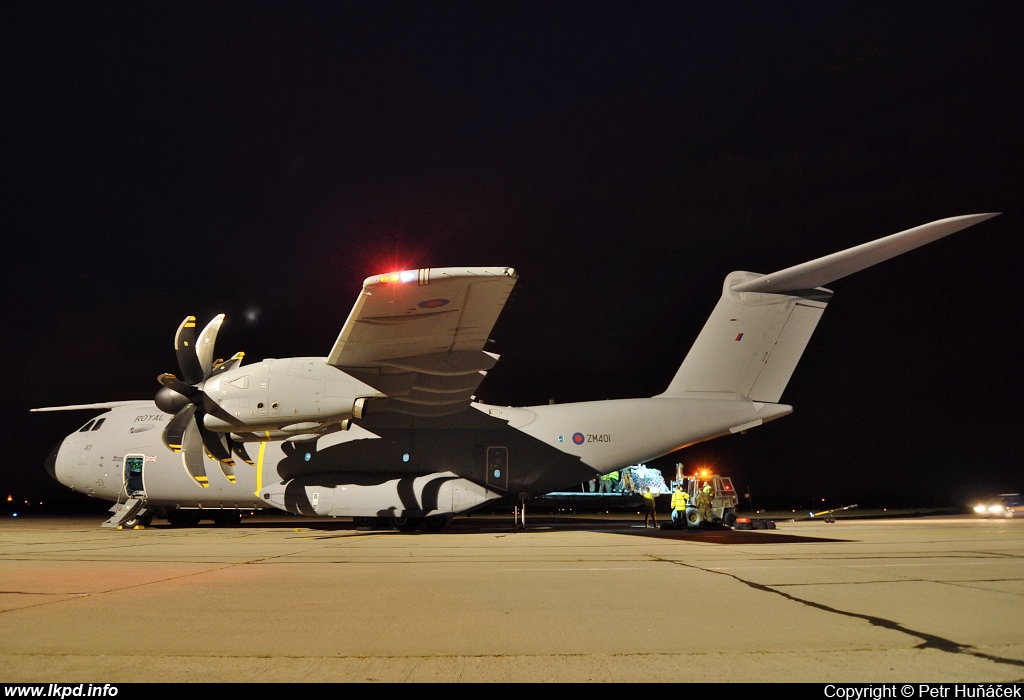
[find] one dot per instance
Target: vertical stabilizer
(751, 343)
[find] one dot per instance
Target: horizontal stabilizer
(827, 269)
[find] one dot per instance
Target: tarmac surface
(569, 599)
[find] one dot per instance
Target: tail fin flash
(761, 325)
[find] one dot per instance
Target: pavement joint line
(1002, 555)
(928, 641)
(42, 594)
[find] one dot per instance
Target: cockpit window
(87, 427)
(98, 424)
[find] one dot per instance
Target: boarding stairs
(129, 511)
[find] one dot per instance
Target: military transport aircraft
(386, 428)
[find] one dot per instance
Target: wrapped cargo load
(646, 477)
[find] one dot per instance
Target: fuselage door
(497, 468)
(133, 473)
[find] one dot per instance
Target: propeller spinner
(185, 398)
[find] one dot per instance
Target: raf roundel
(432, 303)
(577, 438)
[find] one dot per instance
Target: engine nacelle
(291, 396)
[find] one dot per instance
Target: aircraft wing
(419, 335)
(91, 406)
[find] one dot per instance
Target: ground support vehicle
(1005, 505)
(723, 502)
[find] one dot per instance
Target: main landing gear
(190, 517)
(519, 511)
(405, 523)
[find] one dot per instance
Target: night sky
(262, 159)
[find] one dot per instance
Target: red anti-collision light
(406, 276)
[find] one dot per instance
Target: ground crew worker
(704, 503)
(613, 480)
(627, 481)
(679, 501)
(650, 509)
(608, 482)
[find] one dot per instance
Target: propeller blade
(215, 443)
(185, 349)
(204, 346)
(235, 360)
(174, 431)
(228, 470)
(192, 450)
(170, 401)
(215, 409)
(187, 390)
(239, 449)
(217, 446)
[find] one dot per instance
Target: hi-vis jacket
(679, 500)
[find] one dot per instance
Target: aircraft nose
(51, 462)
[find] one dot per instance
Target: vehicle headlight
(980, 508)
(995, 509)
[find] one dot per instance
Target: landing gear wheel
(137, 521)
(368, 522)
(435, 523)
(405, 523)
(693, 518)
